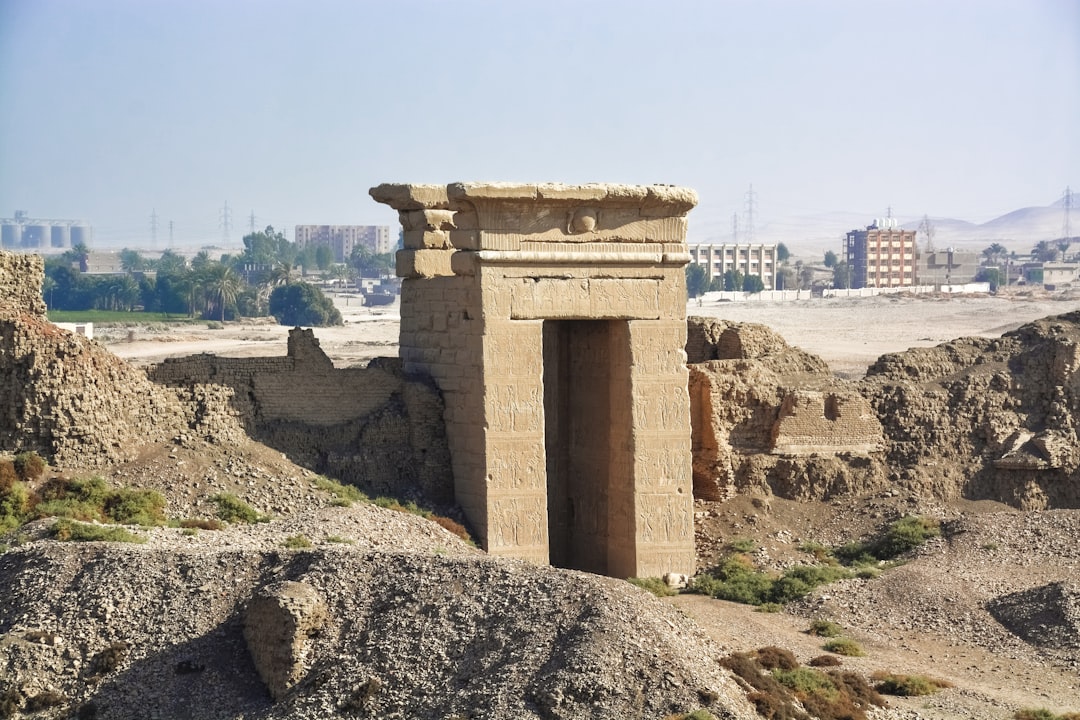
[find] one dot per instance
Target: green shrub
(736, 579)
(67, 530)
(655, 585)
(91, 499)
(825, 628)
(806, 681)
(743, 545)
(907, 685)
(14, 500)
(819, 551)
(232, 509)
(345, 495)
(769, 607)
(900, 537)
(844, 646)
(297, 542)
(29, 466)
(905, 535)
(338, 540)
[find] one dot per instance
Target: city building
(23, 233)
(948, 267)
(882, 255)
(342, 239)
(753, 259)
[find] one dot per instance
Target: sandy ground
(849, 334)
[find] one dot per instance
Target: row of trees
(253, 283)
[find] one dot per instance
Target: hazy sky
(115, 109)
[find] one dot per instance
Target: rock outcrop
(404, 635)
(768, 417)
(986, 419)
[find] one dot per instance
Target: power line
(251, 222)
(153, 228)
(1066, 229)
(927, 228)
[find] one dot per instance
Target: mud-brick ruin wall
(510, 289)
(65, 396)
(823, 422)
(370, 426)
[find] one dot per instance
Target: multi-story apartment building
(882, 255)
(753, 259)
(342, 239)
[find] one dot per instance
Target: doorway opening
(587, 418)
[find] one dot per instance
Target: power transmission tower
(1066, 229)
(751, 202)
(225, 221)
(735, 228)
(251, 222)
(927, 228)
(170, 233)
(153, 228)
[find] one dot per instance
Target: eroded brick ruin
(553, 320)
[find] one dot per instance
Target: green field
(102, 317)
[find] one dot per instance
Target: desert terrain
(926, 617)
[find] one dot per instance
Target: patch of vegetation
(14, 498)
(736, 579)
(844, 646)
(824, 628)
(91, 499)
(344, 495)
(29, 466)
(900, 537)
(297, 542)
(820, 552)
(454, 527)
(799, 693)
(1043, 714)
(825, 661)
(201, 524)
(232, 509)
(66, 530)
(743, 545)
(44, 701)
(700, 714)
(769, 607)
(990, 547)
(338, 540)
(655, 585)
(772, 657)
(116, 317)
(107, 660)
(907, 685)
(9, 702)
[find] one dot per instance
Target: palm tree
(223, 284)
(995, 253)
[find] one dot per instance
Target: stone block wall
(826, 422)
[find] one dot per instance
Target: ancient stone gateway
(553, 319)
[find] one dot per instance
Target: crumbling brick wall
(372, 426)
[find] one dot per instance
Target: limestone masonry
(553, 319)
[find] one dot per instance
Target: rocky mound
(986, 419)
(771, 418)
(1047, 616)
(123, 632)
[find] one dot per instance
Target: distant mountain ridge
(1019, 231)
